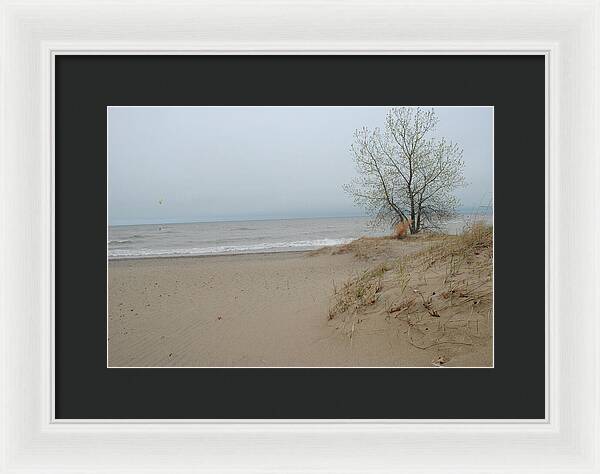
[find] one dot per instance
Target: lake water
(217, 238)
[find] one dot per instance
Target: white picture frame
(566, 33)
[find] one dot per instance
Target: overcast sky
(186, 164)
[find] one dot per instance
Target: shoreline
(241, 254)
(207, 248)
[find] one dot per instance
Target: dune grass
(359, 292)
(452, 262)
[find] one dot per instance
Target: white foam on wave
(227, 249)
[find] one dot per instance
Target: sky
(193, 164)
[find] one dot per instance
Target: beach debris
(441, 360)
(428, 305)
(402, 306)
(219, 318)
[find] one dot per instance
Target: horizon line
(202, 221)
(239, 220)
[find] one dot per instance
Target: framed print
(229, 245)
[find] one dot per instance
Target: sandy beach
(275, 310)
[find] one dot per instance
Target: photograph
(300, 236)
(275, 238)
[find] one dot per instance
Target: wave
(227, 249)
(116, 241)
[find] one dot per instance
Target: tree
(406, 173)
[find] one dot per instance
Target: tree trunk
(413, 228)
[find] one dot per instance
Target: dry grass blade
(359, 292)
(428, 305)
(402, 306)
